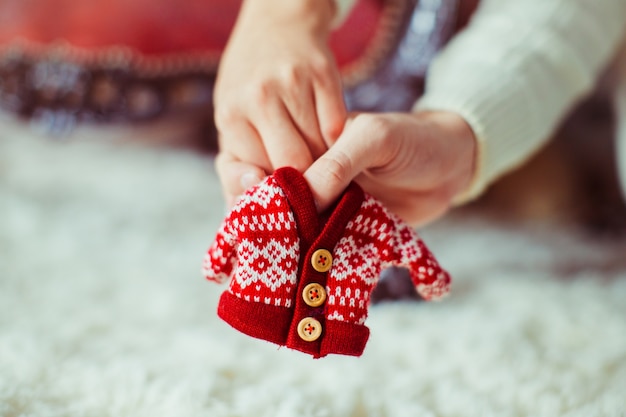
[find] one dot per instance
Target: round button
(321, 260)
(314, 295)
(309, 329)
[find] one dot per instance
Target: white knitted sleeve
(343, 9)
(517, 69)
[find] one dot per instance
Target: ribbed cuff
(502, 126)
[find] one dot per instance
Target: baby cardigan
(303, 280)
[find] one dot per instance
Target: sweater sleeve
(407, 250)
(220, 259)
(515, 72)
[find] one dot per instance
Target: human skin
(278, 102)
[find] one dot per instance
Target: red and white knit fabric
(266, 242)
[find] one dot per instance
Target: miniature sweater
(302, 279)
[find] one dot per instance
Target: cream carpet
(103, 311)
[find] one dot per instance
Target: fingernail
(317, 205)
(249, 179)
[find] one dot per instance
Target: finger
(357, 149)
(242, 141)
(236, 176)
(283, 143)
(329, 103)
(300, 103)
(415, 208)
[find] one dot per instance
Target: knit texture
(267, 242)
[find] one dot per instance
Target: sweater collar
(311, 225)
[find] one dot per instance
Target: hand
(278, 98)
(415, 163)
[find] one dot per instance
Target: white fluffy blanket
(103, 311)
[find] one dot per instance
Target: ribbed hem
(272, 323)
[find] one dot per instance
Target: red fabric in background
(157, 27)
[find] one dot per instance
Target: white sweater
(516, 70)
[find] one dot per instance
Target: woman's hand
(415, 163)
(278, 98)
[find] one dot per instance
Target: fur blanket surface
(103, 310)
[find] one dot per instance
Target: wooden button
(309, 329)
(321, 260)
(314, 295)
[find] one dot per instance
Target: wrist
(460, 149)
(312, 15)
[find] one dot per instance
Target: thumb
(355, 151)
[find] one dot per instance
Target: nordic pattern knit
(267, 243)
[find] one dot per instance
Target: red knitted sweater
(304, 280)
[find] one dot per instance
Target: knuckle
(225, 115)
(261, 92)
(291, 76)
(375, 124)
(331, 133)
(321, 65)
(331, 130)
(338, 168)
